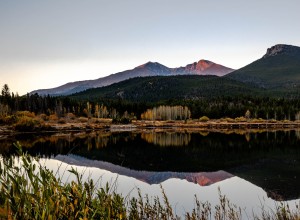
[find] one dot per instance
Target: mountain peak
(150, 64)
(154, 67)
(205, 61)
(199, 66)
(281, 49)
(205, 67)
(204, 64)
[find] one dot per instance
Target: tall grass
(28, 190)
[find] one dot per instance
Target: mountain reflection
(150, 177)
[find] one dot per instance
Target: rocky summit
(282, 49)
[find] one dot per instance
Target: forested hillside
(161, 88)
(278, 68)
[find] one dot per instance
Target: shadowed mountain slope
(157, 88)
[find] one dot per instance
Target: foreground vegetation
(31, 191)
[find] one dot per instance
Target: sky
(45, 44)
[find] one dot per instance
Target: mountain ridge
(279, 68)
(202, 67)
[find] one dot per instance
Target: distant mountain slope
(203, 67)
(279, 67)
(159, 88)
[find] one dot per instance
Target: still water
(252, 168)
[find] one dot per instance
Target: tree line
(117, 108)
(163, 112)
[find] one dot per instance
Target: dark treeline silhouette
(214, 107)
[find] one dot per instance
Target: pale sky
(44, 44)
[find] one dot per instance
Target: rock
(282, 49)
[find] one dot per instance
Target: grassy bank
(25, 121)
(31, 191)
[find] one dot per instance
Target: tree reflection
(165, 139)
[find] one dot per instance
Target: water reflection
(180, 192)
(150, 177)
(165, 139)
(298, 134)
(269, 159)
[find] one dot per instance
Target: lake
(253, 168)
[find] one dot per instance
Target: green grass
(31, 191)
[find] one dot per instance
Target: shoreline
(139, 125)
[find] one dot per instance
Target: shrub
(122, 120)
(8, 120)
(62, 121)
(258, 120)
(240, 119)
(25, 113)
(230, 120)
(70, 116)
(44, 117)
(94, 120)
(83, 119)
(273, 121)
(125, 120)
(26, 123)
(53, 117)
(204, 119)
